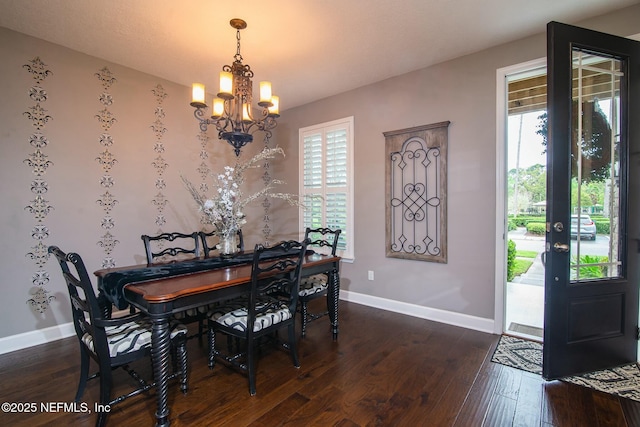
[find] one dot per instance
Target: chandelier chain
(238, 56)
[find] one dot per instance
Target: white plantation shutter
(336, 216)
(313, 161)
(336, 159)
(326, 179)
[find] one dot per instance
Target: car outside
(587, 227)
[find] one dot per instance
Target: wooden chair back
(111, 342)
(266, 279)
(323, 237)
(89, 313)
(171, 246)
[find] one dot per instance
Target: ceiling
(308, 49)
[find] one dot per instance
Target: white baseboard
(442, 316)
(53, 333)
(40, 336)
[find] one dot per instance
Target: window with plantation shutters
(326, 181)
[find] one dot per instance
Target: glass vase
(228, 245)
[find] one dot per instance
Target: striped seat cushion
(234, 315)
(131, 336)
(313, 284)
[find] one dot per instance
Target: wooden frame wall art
(416, 193)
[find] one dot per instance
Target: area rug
(518, 353)
(623, 381)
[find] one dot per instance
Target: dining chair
(177, 246)
(211, 239)
(316, 286)
(112, 342)
(171, 246)
(269, 306)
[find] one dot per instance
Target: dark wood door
(591, 286)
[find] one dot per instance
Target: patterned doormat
(623, 381)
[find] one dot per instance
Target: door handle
(560, 247)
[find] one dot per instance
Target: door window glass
(595, 178)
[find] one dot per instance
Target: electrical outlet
(370, 275)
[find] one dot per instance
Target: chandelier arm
(270, 123)
(265, 115)
(221, 124)
(267, 121)
(264, 125)
(203, 123)
(267, 134)
(236, 113)
(226, 117)
(248, 126)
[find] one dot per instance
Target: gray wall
(75, 221)
(462, 91)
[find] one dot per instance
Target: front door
(593, 236)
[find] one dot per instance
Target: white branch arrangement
(225, 209)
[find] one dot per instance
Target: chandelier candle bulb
(198, 94)
(226, 85)
(274, 110)
(218, 107)
(246, 112)
(265, 94)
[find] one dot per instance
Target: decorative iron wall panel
(416, 193)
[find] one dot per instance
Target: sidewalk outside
(524, 298)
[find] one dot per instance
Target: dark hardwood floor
(385, 370)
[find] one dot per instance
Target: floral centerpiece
(225, 209)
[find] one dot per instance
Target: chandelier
(231, 112)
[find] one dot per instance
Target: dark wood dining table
(163, 289)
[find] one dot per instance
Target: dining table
(161, 290)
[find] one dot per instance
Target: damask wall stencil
(203, 169)
(159, 163)
(266, 203)
(107, 161)
(416, 193)
(39, 163)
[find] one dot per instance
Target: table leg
(160, 350)
(334, 297)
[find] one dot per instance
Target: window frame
(347, 124)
